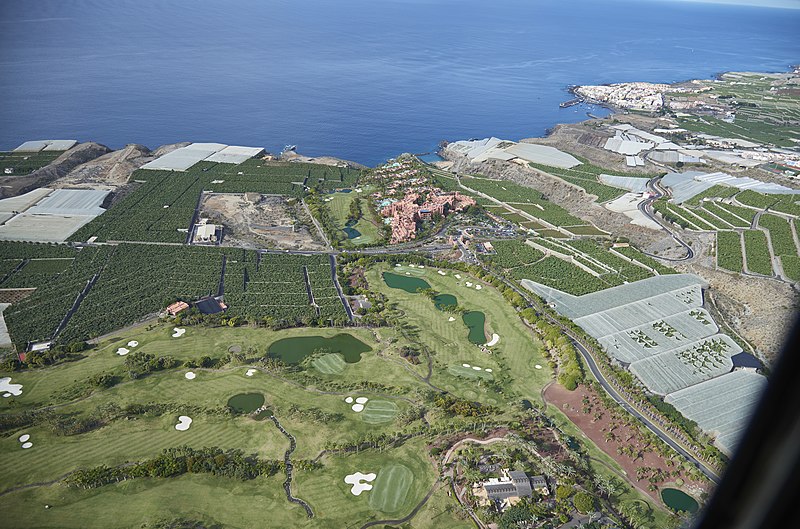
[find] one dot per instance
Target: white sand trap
(397, 265)
(9, 389)
(478, 287)
(537, 366)
(190, 375)
(408, 273)
(469, 284)
(458, 276)
(451, 319)
(476, 368)
(441, 272)
(362, 400)
(494, 340)
(133, 343)
(250, 372)
(488, 369)
(349, 400)
(178, 332)
(24, 437)
(183, 423)
(27, 445)
(122, 351)
(466, 365)
(356, 481)
(412, 266)
(358, 407)
(420, 266)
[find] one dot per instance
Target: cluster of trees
(559, 347)
(231, 463)
(140, 363)
(465, 408)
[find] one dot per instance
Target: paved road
(646, 208)
(633, 411)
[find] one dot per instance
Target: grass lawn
(227, 502)
(404, 476)
(340, 209)
(511, 360)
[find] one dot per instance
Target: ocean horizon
(358, 80)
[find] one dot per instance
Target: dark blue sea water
(363, 79)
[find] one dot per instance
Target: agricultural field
(757, 252)
(585, 176)
(729, 251)
(592, 266)
(162, 206)
(134, 281)
(24, 163)
(780, 234)
(760, 116)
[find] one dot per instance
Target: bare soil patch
(261, 221)
(611, 432)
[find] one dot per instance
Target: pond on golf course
(294, 350)
(350, 231)
(246, 402)
(409, 284)
(442, 301)
(476, 321)
(678, 500)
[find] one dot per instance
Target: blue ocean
(359, 79)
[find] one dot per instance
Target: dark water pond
(246, 402)
(408, 283)
(351, 232)
(442, 301)
(475, 320)
(679, 500)
(294, 350)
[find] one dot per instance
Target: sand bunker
(122, 351)
(178, 332)
(250, 372)
(476, 368)
(356, 481)
(183, 423)
(537, 366)
(9, 389)
(362, 400)
(478, 287)
(494, 340)
(24, 437)
(190, 375)
(466, 365)
(27, 445)
(397, 265)
(420, 266)
(441, 272)
(458, 276)
(133, 343)
(488, 369)
(451, 319)
(358, 408)
(349, 400)
(469, 284)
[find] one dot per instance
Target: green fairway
(468, 372)
(365, 231)
(379, 411)
(330, 364)
(516, 353)
(391, 488)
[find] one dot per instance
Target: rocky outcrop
(108, 171)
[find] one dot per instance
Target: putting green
(468, 372)
(330, 364)
(379, 411)
(390, 488)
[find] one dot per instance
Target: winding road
(646, 207)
